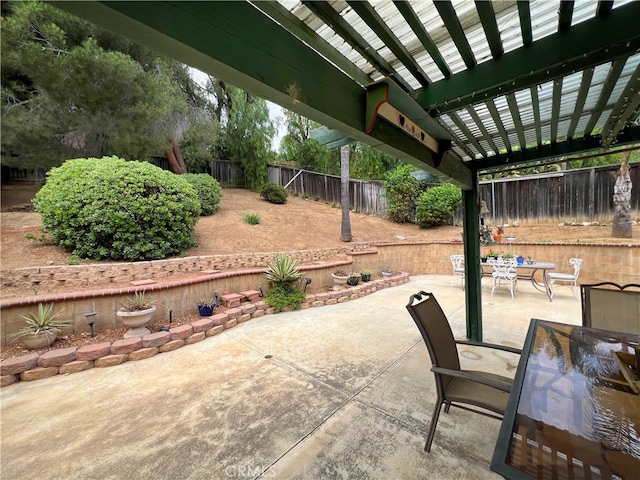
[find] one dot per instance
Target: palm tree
(622, 200)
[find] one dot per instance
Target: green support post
(471, 234)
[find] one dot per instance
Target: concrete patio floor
(337, 392)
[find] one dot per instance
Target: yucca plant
(44, 321)
(283, 269)
(139, 301)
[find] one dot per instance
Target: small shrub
(208, 189)
(283, 270)
(111, 209)
(281, 296)
(252, 218)
(274, 193)
(437, 205)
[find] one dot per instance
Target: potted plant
(498, 235)
(530, 261)
(206, 306)
(42, 327)
(387, 272)
(354, 279)
(365, 274)
(340, 276)
(136, 312)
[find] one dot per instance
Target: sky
(276, 112)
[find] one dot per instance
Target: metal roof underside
(452, 87)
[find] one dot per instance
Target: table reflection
(575, 408)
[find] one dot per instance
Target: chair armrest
(490, 345)
(468, 375)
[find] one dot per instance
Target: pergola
(453, 87)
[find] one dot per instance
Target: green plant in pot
(206, 306)
(386, 271)
(354, 279)
(42, 327)
(284, 281)
(136, 311)
(365, 274)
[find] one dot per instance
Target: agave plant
(282, 270)
(45, 321)
(139, 301)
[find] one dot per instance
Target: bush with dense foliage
(274, 193)
(208, 189)
(111, 209)
(437, 205)
(402, 190)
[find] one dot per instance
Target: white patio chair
(457, 264)
(566, 279)
(504, 274)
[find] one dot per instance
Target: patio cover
(451, 87)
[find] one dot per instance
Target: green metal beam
(416, 25)
(473, 288)
(607, 87)
(524, 12)
(310, 37)
(584, 45)
(499, 124)
(467, 133)
(328, 15)
(555, 108)
(625, 108)
(480, 124)
(565, 14)
(515, 115)
(566, 148)
(326, 136)
(452, 23)
(380, 28)
(585, 84)
(237, 42)
(535, 105)
(490, 25)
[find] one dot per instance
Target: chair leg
(432, 428)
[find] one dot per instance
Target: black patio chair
(456, 387)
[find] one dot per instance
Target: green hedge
(437, 205)
(111, 209)
(208, 189)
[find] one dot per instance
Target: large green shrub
(437, 205)
(401, 190)
(113, 209)
(274, 193)
(208, 189)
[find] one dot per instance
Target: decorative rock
(126, 345)
(143, 353)
(38, 373)
(170, 346)
(322, 297)
(91, 352)
(12, 366)
(317, 303)
(342, 299)
(257, 313)
(182, 331)
(244, 318)
(8, 380)
(196, 337)
(215, 330)
(251, 295)
(331, 301)
(76, 366)
(234, 313)
(202, 325)
(309, 298)
(261, 305)
(55, 358)
(219, 319)
(231, 300)
(110, 360)
(247, 308)
(231, 323)
(155, 339)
